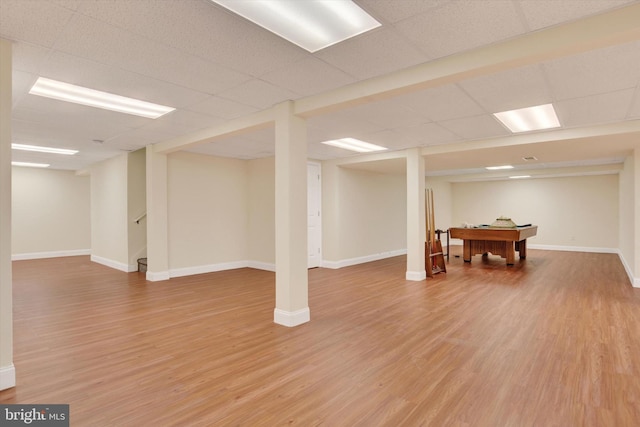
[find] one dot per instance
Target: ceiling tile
(340, 125)
(82, 72)
(372, 54)
(634, 110)
(45, 133)
(596, 109)
(259, 94)
(17, 19)
(386, 114)
(389, 139)
(200, 28)
(126, 50)
(428, 134)
(135, 139)
(308, 77)
(190, 119)
(477, 127)
(394, 10)
(220, 107)
(442, 103)
(598, 71)
(241, 146)
(509, 90)
(544, 13)
(461, 25)
(28, 57)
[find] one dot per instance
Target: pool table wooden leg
(511, 253)
(521, 247)
(466, 250)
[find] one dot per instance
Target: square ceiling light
(95, 98)
(528, 119)
(310, 24)
(39, 149)
(354, 145)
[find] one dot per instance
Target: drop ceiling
(214, 66)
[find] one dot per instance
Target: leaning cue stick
(427, 209)
(433, 219)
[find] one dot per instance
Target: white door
(314, 234)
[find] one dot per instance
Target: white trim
(153, 276)
(127, 268)
(7, 377)
(291, 318)
(259, 265)
(362, 259)
(210, 268)
(416, 276)
(573, 249)
(52, 254)
(635, 281)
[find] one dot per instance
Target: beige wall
(635, 196)
(442, 201)
(571, 212)
(50, 213)
(136, 205)
(364, 214)
(261, 238)
(630, 216)
(208, 210)
(109, 215)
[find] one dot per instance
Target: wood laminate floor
(551, 341)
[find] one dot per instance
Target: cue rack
(434, 256)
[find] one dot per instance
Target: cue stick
(433, 219)
(426, 214)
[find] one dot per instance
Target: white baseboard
(157, 276)
(635, 281)
(7, 377)
(258, 265)
(573, 249)
(210, 268)
(416, 276)
(127, 268)
(291, 318)
(362, 259)
(52, 254)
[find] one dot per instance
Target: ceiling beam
(255, 121)
(607, 29)
(630, 127)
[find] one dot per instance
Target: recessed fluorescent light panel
(520, 176)
(529, 119)
(43, 149)
(354, 145)
(95, 98)
(310, 24)
(496, 168)
(30, 165)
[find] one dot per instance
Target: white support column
(7, 370)
(416, 228)
(292, 305)
(157, 216)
